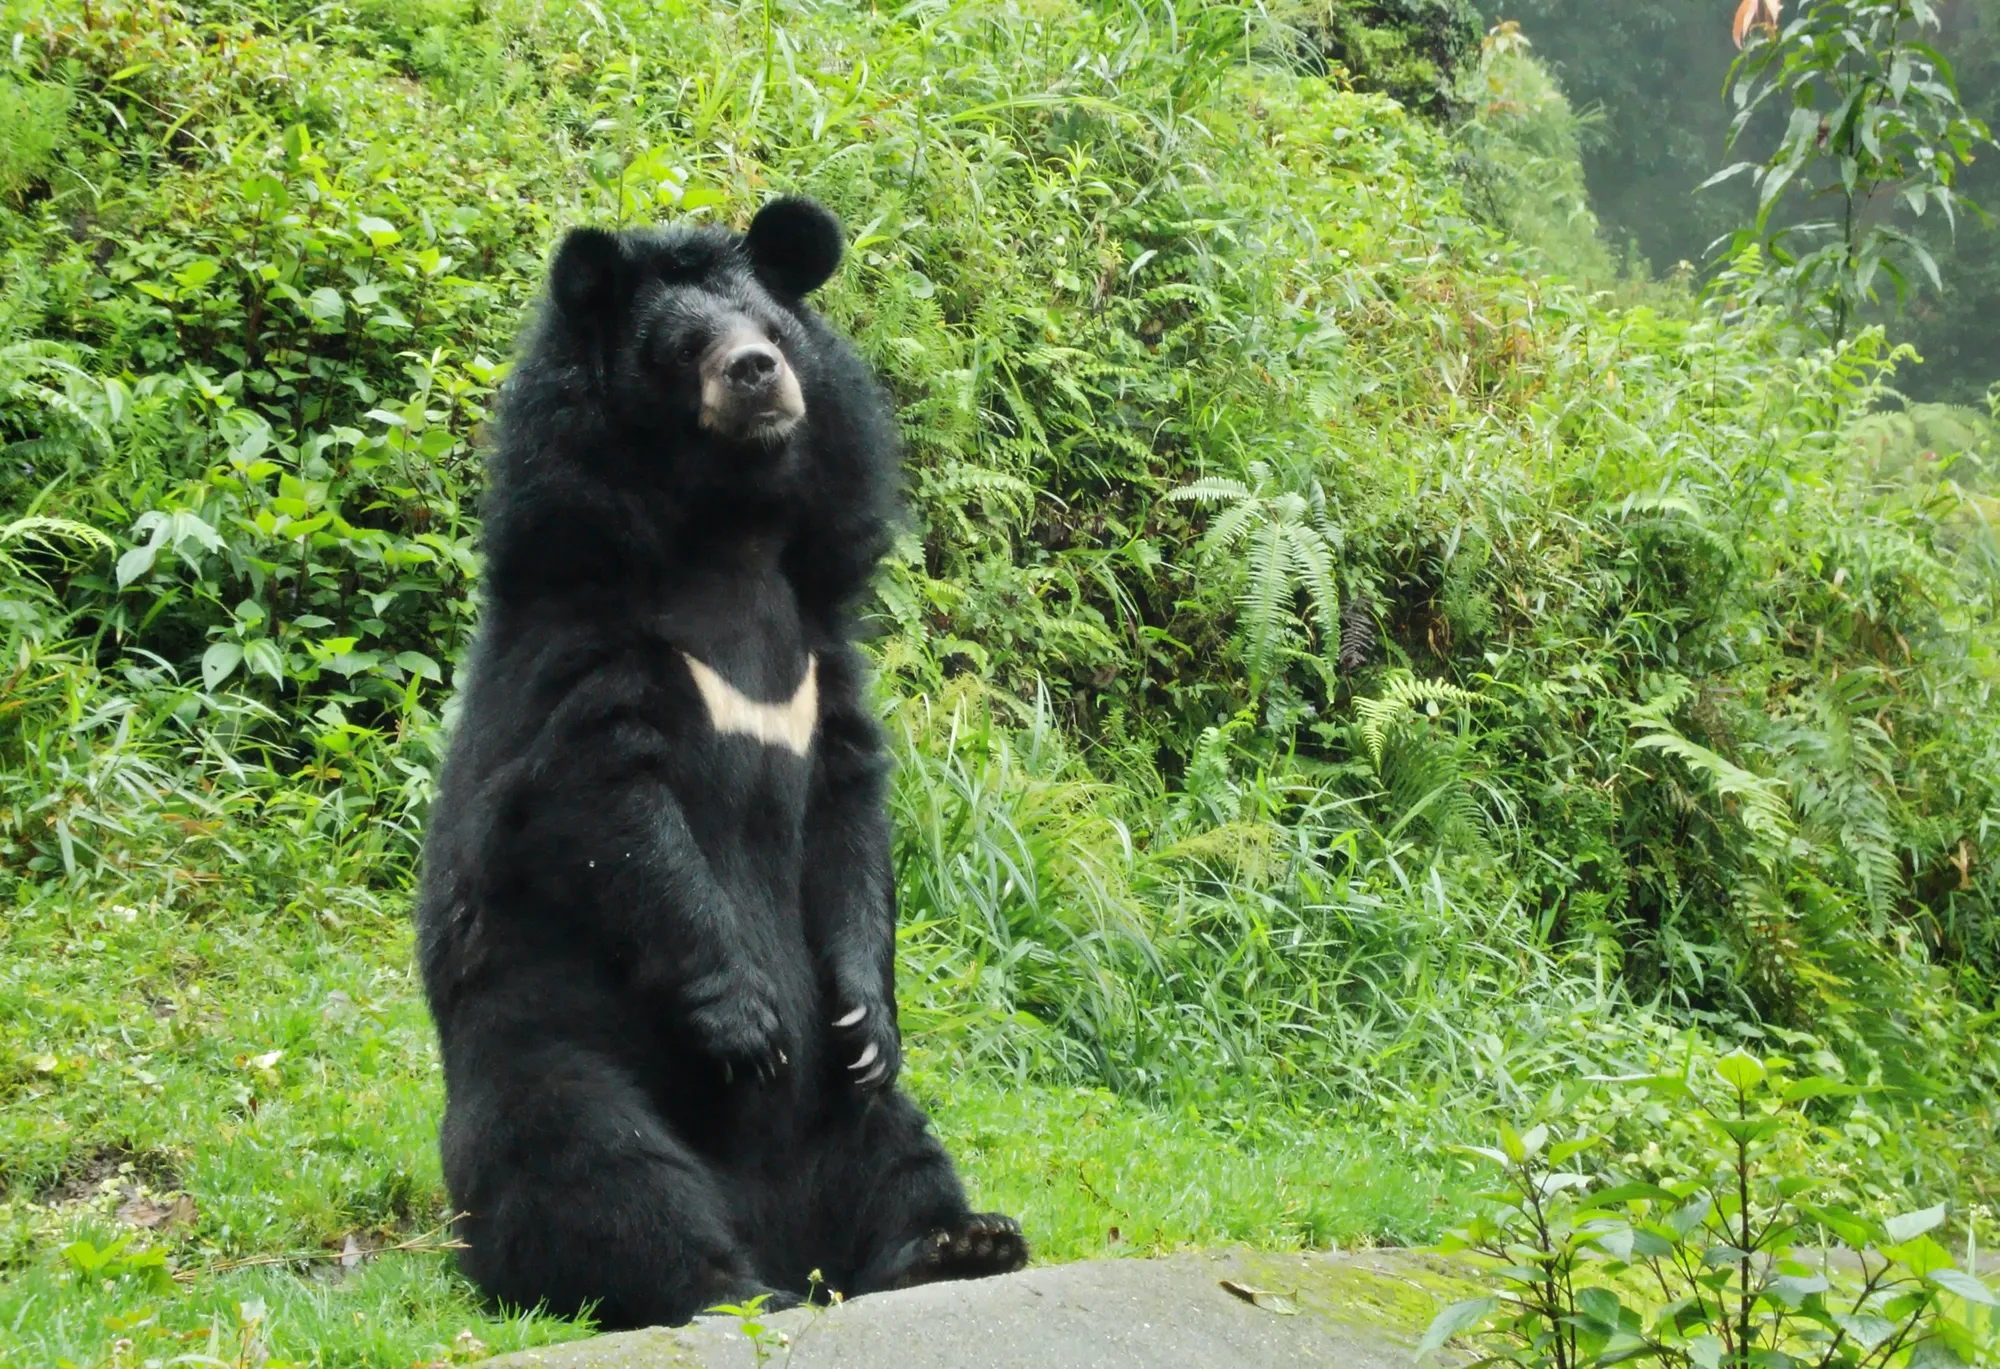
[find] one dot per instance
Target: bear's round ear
(794, 245)
(585, 274)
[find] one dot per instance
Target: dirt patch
(122, 1169)
(175, 1213)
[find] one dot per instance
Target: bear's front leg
(849, 886)
(696, 953)
(626, 854)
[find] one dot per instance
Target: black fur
(638, 932)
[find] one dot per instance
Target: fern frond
(51, 533)
(1230, 527)
(1357, 633)
(1763, 809)
(1314, 560)
(1266, 599)
(1402, 693)
(1674, 691)
(1211, 489)
(57, 402)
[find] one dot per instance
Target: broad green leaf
(1615, 1241)
(1721, 1256)
(1794, 1289)
(1965, 1285)
(1567, 1150)
(1819, 1086)
(1911, 1225)
(1928, 262)
(1688, 1216)
(1741, 1071)
(419, 664)
(1649, 1244)
(1935, 1354)
(381, 233)
(136, 563)
(219, 662)
(352, 663)
(1455, 1320)
(1921, 1256)
(197, 273)
(1601, 1305)
(1865, 1329)
(1849, 1227)
(261, 656)
(1625, 1193)
(1746, 1130)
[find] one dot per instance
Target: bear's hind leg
(890, 1201)
(577, 1196)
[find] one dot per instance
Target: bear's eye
(687, 353)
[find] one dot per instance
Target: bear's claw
(866, 1040)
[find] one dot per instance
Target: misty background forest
(1645, 82)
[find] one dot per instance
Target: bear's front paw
(734, 1015)
(867, 1048)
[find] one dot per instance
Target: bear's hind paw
(977, 1246)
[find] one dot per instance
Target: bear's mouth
(772, 426)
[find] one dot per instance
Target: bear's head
(699, 333)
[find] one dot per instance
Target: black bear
(657, 920)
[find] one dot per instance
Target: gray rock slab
(1360, 1311)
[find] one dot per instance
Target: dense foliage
(1345, 676)
(1415, 51)
(1713, 1249)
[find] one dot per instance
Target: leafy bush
(1524, 148)
(1415, 51)
(1732, 1256)
(1874, 129)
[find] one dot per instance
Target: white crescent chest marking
(789, 724)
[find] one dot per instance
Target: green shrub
(1722, 1247)
(1415, 51)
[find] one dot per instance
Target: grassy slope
(281, 1071)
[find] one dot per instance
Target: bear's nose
(752, 367)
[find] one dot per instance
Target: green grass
(280, 1072)
(1091, 1175)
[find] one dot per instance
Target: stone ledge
(1360, 1311)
